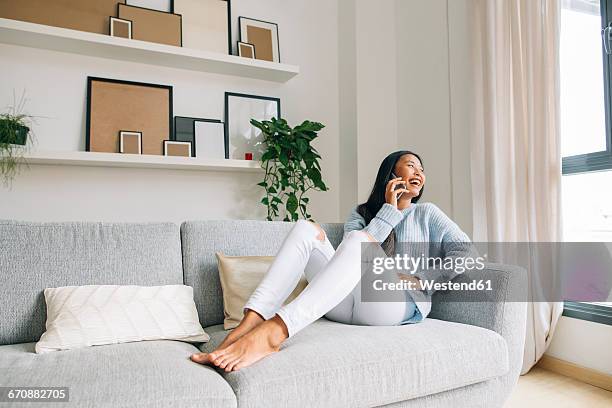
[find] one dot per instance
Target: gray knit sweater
(426, 225)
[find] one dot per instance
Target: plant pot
(13, 133)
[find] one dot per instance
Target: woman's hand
(411, 278)
(391, 194)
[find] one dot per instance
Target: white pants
(334, 283)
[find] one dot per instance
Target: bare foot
(250, 320)
(263, 340)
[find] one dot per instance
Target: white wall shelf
(95, 159)
(123, 49)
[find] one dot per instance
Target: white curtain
(516, 158)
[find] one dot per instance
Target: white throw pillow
(91, 315)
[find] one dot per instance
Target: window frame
(586, 311)
(595, 161)
(602, 160)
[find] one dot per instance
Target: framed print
(246, 50)
(160, 5)
(174, 148)
(206, 24)
(83, 15)
(185, 130)
(130, 142)
(120, 28)
(263, 35)
(114, 105)
(240, 136)
(152, 25)
(210, 139)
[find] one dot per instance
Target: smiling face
(410, 169)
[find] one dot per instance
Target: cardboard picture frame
(246, 50)
(114, 105)
(114, 22)
(123, 142)
(169, 146)
(263, 35)
(153, 25)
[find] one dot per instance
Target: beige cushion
(92, 315)
(240, 276)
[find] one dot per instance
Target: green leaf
(292, 203)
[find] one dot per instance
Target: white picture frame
(111, 28)
(176, 143)
(264, 50)
(123, 134)
(242, 46)
(209, 137)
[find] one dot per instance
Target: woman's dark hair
(369, 209)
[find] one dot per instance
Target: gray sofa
(465, 354)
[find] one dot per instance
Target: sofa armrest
(503, 309)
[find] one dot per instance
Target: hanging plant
(15, 127)
(291, 167)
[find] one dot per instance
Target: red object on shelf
(248, 156)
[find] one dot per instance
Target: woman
(334, 276)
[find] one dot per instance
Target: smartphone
(398, 185)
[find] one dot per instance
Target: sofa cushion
(201, 239)
(143, 374)
(330, 364)
(35, 256)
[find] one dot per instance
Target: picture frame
(126, 145)
(177, 149)
(167, 6)
(118, 26)
(246, 50)
(114, 105)
(185, 130)
(240, 136)
(206, 24)
(210, 139)
(263, 35)
(153, 25)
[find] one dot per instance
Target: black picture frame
(191, 137)
(228, 95)
(159, 11)
(229, 27)
(90, 79)
(240, 18)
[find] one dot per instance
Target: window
(586, 132)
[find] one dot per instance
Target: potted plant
(291, 166)
(15, 127)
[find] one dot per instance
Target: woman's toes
(199, 357)
(224, 363)
(231, 366)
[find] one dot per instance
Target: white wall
(584, 343)
(56, 87)
(433, 83)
